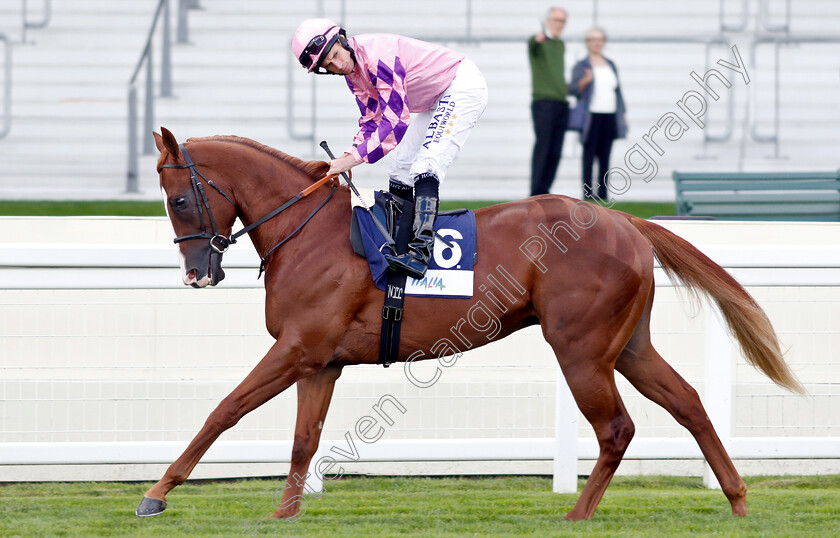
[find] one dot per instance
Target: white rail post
(565, 438)
(314, 482)
(718, 384)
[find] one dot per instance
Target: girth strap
(392, 310)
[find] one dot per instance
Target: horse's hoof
(574, 516)
(738, 500)
(150, 507)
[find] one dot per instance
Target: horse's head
(201, 213)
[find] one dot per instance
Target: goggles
(314, 48)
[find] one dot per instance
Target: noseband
(220, 243)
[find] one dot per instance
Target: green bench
(813, 196)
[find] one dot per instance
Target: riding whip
(388, 239)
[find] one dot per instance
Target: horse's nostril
(192, 274)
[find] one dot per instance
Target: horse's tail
(684, 263)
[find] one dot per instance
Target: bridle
(220, 243)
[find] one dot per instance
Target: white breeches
(434, 137)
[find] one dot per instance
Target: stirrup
(408, 264)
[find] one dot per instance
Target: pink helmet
(312, 40)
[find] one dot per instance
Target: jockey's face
(338, 60)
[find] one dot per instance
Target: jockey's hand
(342, 164)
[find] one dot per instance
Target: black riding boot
(415, 262)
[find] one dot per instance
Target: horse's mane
(311, 168)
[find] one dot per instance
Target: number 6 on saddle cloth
(373, 227)
(450, 272)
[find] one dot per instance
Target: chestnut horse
(582, 272)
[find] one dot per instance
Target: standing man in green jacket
(549, 108)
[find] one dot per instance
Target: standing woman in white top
(595, 84)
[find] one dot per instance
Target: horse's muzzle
(206, 271)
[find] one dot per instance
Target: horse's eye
(179, 203)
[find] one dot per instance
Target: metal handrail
(43, 22)
(146, 58)
(26, 24)
(724, 27)
(290, 106)
(777, 42)
(6, 125)
(290, 94)
(183, 31)
(730, 103)
(764, 17)
(751, 105)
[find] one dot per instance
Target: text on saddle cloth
(450, 271)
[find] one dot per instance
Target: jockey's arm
(342, 164)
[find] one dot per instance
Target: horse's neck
(270, 186)
(266, 186)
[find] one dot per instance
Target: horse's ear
(166, 140)
(158, 141)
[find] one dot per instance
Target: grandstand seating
(809, 196)
(69, 132)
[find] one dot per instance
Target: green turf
(82, 208)
(644, 210)
(388, 506)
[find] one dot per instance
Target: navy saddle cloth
(450, 271)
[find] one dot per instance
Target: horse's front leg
(284, 364)
(314, 395)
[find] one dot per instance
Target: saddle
(385, 207)
(450, 269)
(447, 276)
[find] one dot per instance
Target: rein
(220, 243)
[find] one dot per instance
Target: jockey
(419, 98)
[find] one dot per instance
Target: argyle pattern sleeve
(385, 115)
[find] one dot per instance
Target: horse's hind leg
(640, 363)
(586, 341)
(314, 395)
(598, 399)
